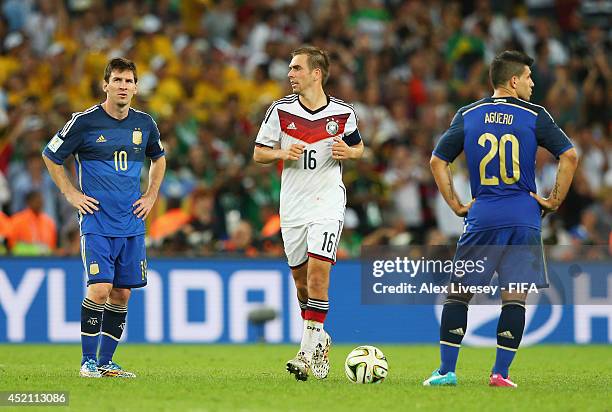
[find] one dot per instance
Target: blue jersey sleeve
(155, 150)
(65, 142)
(550, 136)
(450, 144)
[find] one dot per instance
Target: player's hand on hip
(463, 210)
(144, 205)
(340, 150)
(294, 152)
(82, 202)
(547, 204)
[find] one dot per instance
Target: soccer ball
(366, 364)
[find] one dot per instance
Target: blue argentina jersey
(500, 137)
(109, 154)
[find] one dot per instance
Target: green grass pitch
(253, 378)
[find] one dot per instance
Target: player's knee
(99, 292)
(119, 296)
(300, 282)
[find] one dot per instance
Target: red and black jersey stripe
(310, 131)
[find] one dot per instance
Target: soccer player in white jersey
(311, 133)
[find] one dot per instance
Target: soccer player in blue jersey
(109, 142)
(500, 136)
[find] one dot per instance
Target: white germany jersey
(311, 187)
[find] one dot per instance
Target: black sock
(91, 321)
(509, 334)
(112, 328)
(453, 326)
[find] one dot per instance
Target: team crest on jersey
(137, 136)
(332, 127)
(94, 269)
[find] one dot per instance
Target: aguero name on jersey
(500, 137)
(311, 187)
(109, 155)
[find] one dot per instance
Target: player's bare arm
(444, 180)
(144, 205)
(85, 204)
(267, 155)
(342, 151)
(568, 162)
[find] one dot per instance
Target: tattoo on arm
(554, 194)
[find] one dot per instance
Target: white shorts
(318, 239)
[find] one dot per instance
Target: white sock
(313, 334)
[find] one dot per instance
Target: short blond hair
(317, 59)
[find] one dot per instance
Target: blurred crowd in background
(208, 70)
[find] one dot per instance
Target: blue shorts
(515, 253)
(121, 261)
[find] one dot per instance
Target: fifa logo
(92, 321)
(313, 328)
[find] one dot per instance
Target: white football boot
(320, 358)
(89, 369)
(299, 366)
